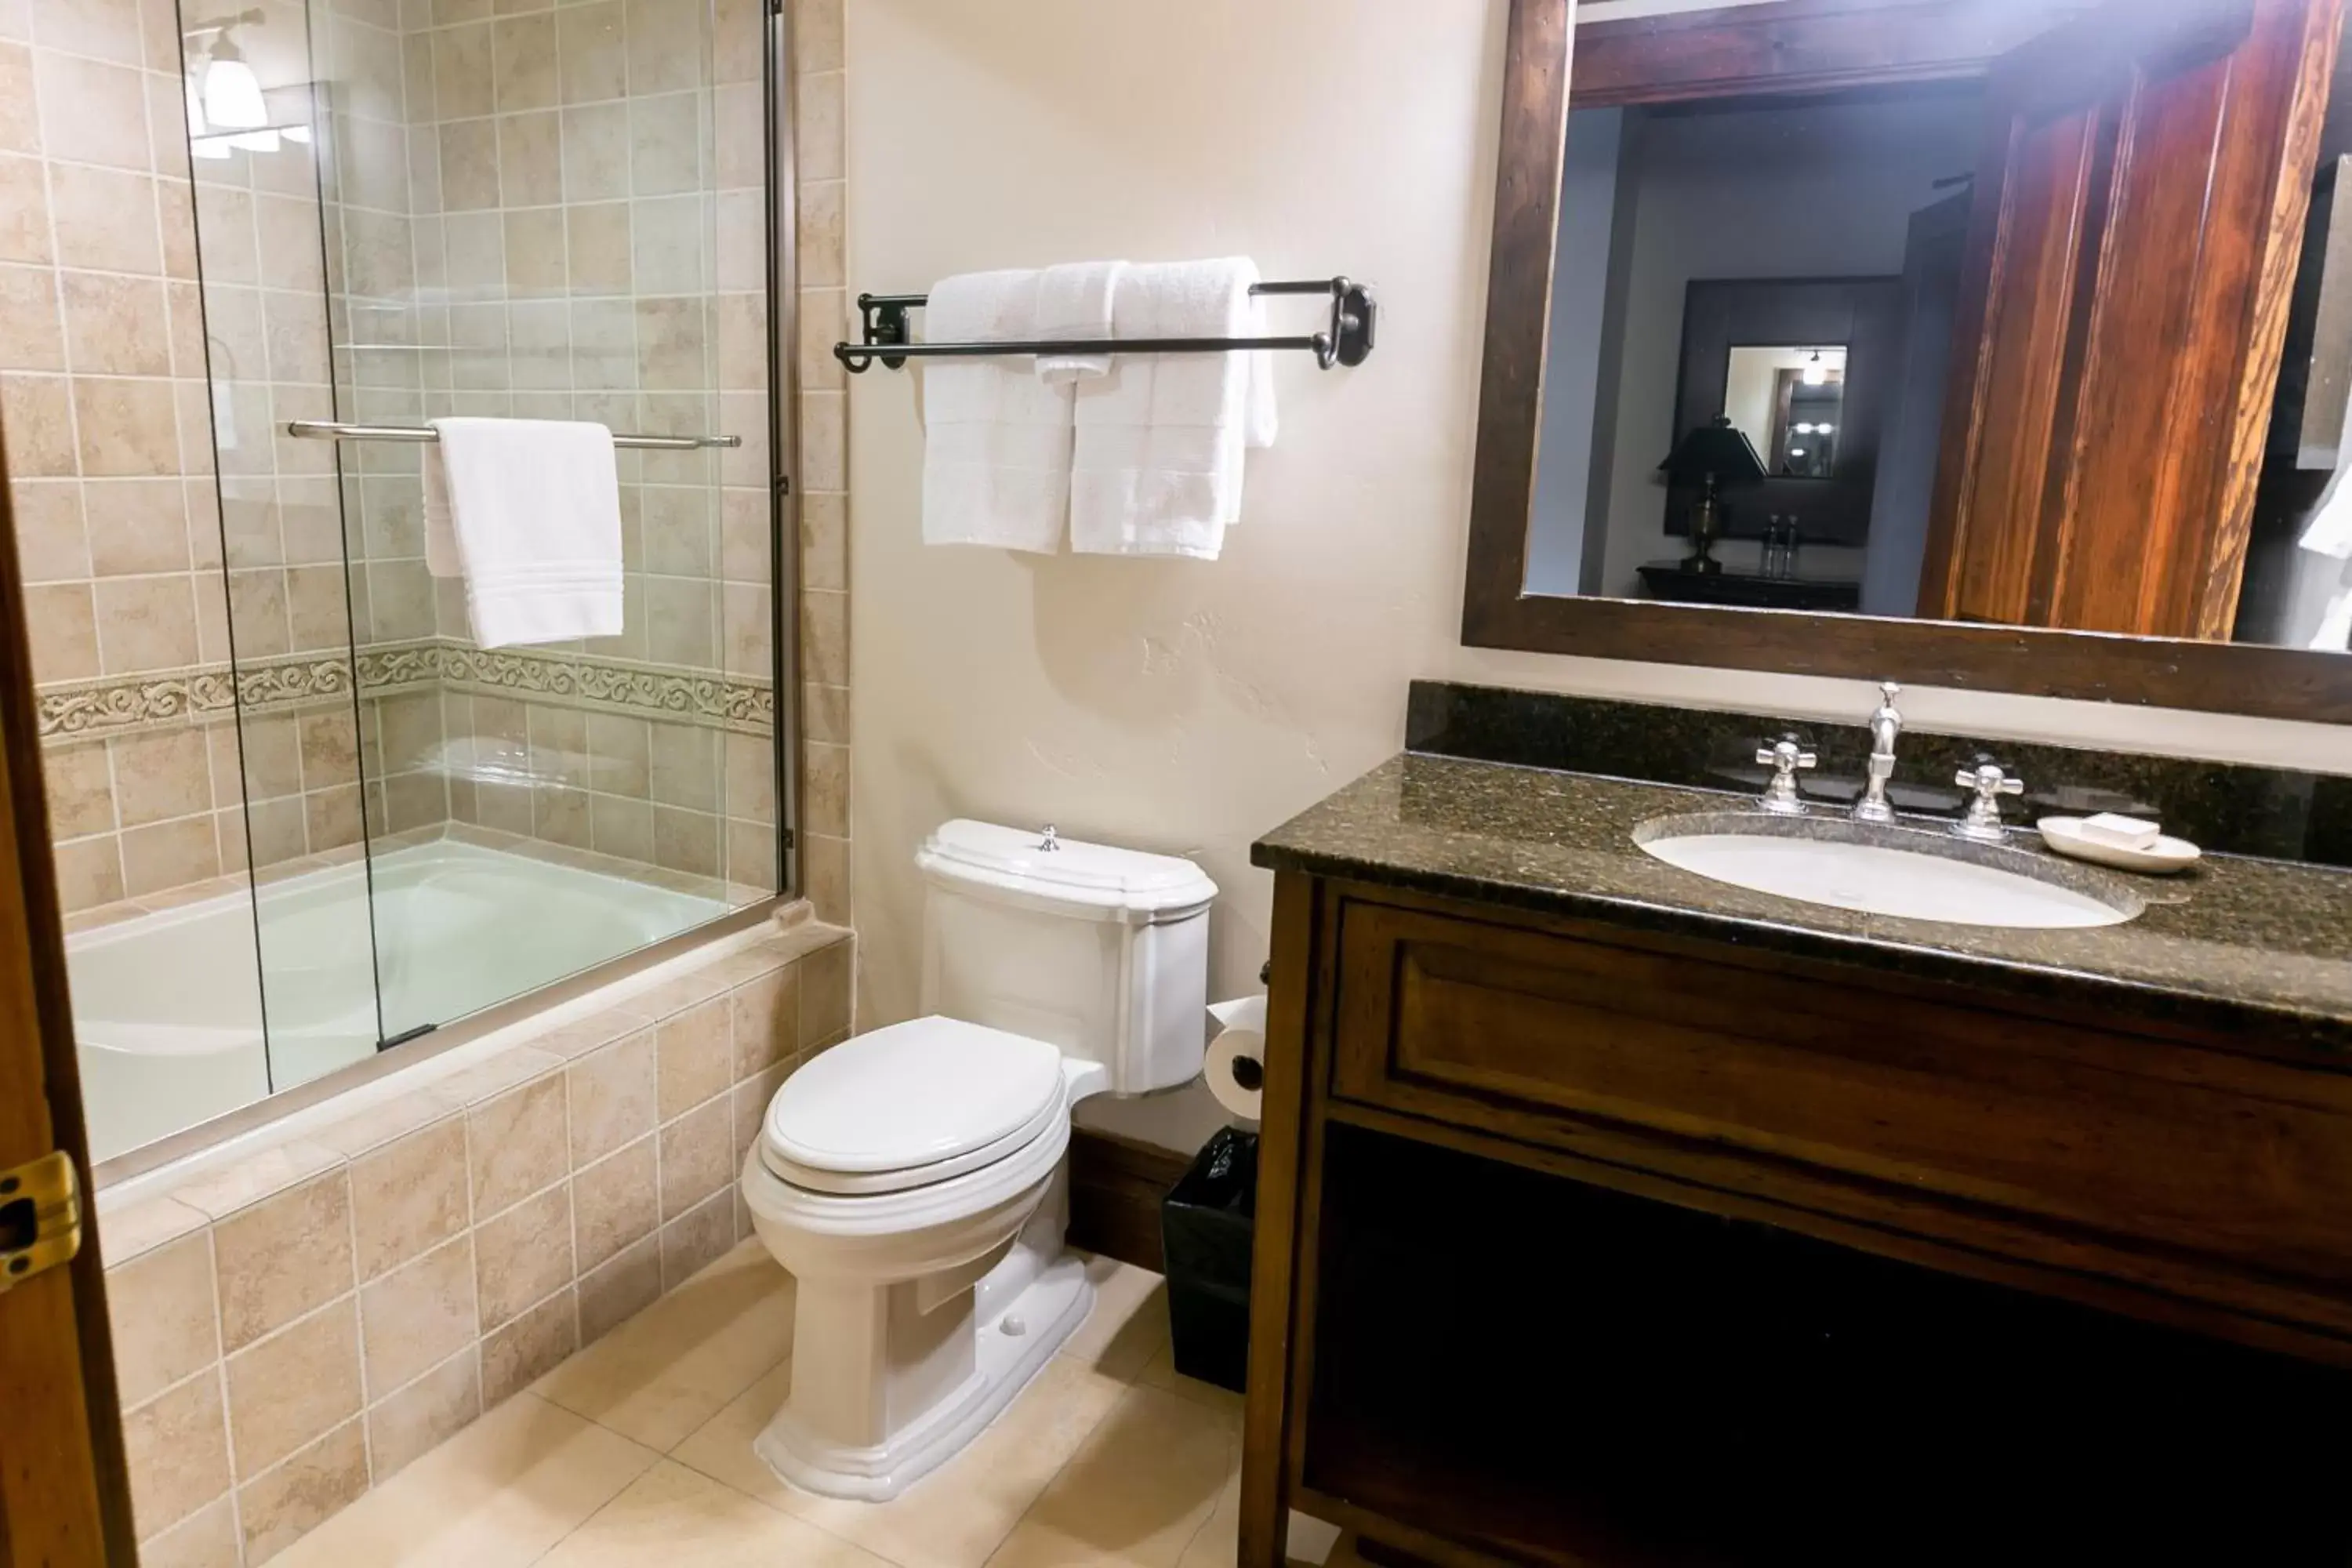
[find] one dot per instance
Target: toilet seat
(912, 1105)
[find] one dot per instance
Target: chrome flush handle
(1052, 839)
(1784, 757)
(1988, 781)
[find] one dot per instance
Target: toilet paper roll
(1235, 1069)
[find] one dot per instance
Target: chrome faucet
(1886, 726)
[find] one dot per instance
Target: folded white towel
(996, 441)
(528, 512)
(1073, 300)
(1157, 464)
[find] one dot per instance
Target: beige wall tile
(593, 49)
(698, 1238)
(618, 1289)
(206, 1538)
(169, 855)
(282, 1506)
(418, 1315)
(522, 1255)
(420, 1417)
(89, 873)
(613, 1095)
(105, 219)
(116, 326)
(825, 993)
(825, 639)
(524, 51)
(80, 787)
(697, 1157)
(62, 629)
(37, 411)
(616, 1203)
(20, 129)
(137, 526)
(31, 336)
(23, 211)
(766, 1027)
(817, 118)
(517, 1355)
(97, 109)
(289, 1390)
(161, 775)
(283, 1256)
(464, 79)
(164, 1318)
(695, 1057)
(145, 623)
(517, 1143)
(126, 427)
(176, 1446)
(816, 35)
(530, 159)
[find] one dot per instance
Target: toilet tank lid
(1081, 875)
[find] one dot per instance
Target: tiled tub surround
(294, 1327)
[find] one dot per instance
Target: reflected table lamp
(1711, 455)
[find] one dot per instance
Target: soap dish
(2161, 858)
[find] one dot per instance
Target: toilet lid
(909, 1098)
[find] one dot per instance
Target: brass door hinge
(40, 1217)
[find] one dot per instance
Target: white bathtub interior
(175, 1026)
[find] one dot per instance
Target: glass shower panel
(254, 141)
(523, 217)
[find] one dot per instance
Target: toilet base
(1047, 1310)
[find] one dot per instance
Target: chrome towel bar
(328, 430)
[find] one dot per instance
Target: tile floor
(638, 1450)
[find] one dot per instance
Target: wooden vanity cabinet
(2193, 1181)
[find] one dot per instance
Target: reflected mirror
(2048, 328)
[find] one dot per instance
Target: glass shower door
(255, 144)
(533, 217)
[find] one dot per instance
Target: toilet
(912, 1178)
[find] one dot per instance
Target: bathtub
(170, 1008)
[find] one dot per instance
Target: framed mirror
(1990, 343)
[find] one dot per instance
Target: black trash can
(1206, 1225)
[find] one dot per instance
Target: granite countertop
(2242, 944)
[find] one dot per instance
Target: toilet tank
(1100, 950)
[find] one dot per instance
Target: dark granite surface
(2243, 944)
(2235, 809)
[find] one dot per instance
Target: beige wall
(1185, 707)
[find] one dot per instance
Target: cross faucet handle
(1988, 781)
(1784, 757)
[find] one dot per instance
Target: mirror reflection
(1953, 351)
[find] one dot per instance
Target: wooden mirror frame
(1786, 46)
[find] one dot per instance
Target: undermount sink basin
(1907, 873)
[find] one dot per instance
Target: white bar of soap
(2123, 832)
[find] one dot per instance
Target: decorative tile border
(89, 710)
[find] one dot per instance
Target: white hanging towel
(528, 512)
(1157, 464)
(1073, 300)
(996, 439)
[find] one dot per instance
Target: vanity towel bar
(330, 430)
(1348, 341)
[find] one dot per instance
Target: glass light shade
(196, 126)
(233, 99)
(209, 147)
(1816, 372)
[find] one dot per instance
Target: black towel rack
(1348, 341)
